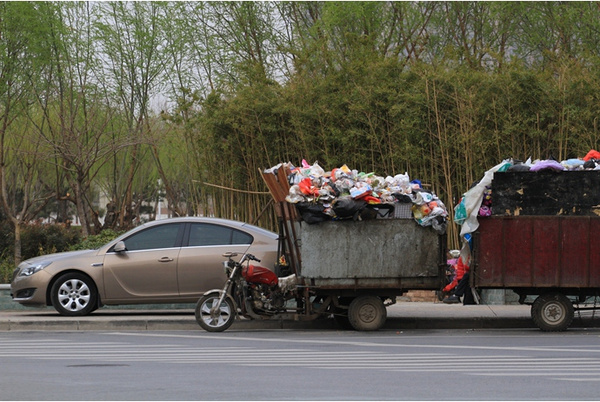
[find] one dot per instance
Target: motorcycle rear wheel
(217, 319)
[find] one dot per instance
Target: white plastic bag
(474, 197)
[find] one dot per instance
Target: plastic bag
(485, 211)
(460, 212)
(312, 212)
(347, 207)
(307, 187)
(295, 195)
(474, 197)
(547, 164)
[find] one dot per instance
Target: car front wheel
(74, 294)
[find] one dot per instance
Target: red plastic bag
(593, 154)
(307, 187)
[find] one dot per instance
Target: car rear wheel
(74, 294)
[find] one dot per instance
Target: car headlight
(30, 269)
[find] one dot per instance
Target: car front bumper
(30, 290)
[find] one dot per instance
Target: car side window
(163, 236)
(239, 237)
(206, 234)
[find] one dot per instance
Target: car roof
(203, 219)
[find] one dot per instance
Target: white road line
(585, 368)
(593, 349)
(536, 374)
(596, 379)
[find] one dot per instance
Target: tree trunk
(18, 255)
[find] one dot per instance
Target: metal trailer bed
(394, 254)
(357, 269)
(542, 242)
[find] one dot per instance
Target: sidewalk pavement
(401, 316)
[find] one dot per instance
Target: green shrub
(39, 239)
(7, 267)
(45, 239)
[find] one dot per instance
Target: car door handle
(165, 259)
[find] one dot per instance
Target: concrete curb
(190, 325)
(401, 316)
(177, 321)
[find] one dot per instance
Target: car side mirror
(120, 247)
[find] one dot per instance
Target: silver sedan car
(165, 261)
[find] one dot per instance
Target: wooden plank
(275, 189)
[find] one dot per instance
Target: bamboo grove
(188, 101)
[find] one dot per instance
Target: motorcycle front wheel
(213, 318)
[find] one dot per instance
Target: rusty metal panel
(488, 246)
(574, 263)
(381, 250)
(593, 273)
(421, 283)
(546, 251)
(518, 243)
(537, 251)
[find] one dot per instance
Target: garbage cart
(542, 242)
(354, 268)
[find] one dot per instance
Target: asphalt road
(450, 364)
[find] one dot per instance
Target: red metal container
(537, 252)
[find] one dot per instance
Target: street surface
(523, 364)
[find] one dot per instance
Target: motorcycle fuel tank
(256, 274)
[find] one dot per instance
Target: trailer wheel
(552, 312)
(367, 313)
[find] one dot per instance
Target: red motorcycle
(251, 291)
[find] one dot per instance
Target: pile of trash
(345, 193)
(589, 162)
(477, 201)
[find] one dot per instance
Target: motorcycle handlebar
(244, 258)
(251, 257)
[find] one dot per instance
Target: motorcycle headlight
(29, 269)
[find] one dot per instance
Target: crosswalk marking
(490, 364)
